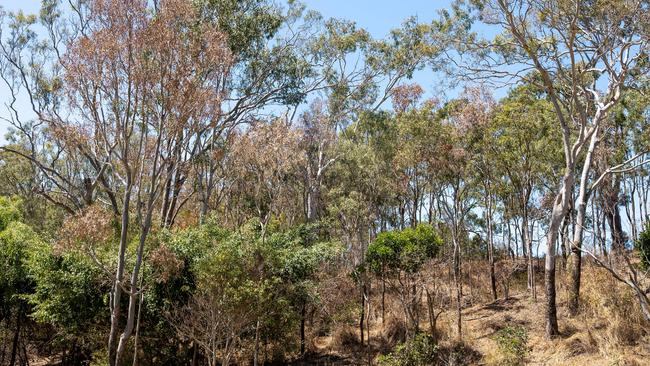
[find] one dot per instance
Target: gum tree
(583, 53)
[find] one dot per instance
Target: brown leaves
(90, 228)
(268, 149)
(165, 264)
(265, 159)
(406, 97)
(137, 68)
(476, 111)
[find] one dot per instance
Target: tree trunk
(457, 284)
(383, 300)
(578, 230)
(137, 327)
(369, 291)
(302, 328)
(14, 347)
(613, 215)
(564, 240)
(493, 279)
(133, 293)
(363, 312)
(257, 344)
(560, 206)
(117, 285)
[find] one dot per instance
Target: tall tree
(125, 103)
(523, 145)
(583, 53)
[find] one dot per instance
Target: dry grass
(609, 330)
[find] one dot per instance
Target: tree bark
(363, 312)
(578, 230)
(457, 284)
(257, 343)
(117, 286)
(493, 279)
(14, 346)
(133, 293)
(560, 206)
(613, 215)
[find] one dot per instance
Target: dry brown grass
(609, 330)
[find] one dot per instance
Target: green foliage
(64, 290)
(248, 23)
(642, 245)
(406, 250)
(512, 342)
(419, 351)
(68, 290)
(15, 240)
(9, 211)
(523, 140)
(246, 275)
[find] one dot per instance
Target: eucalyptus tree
(463, 120)
(264, 168)
(629, 122)
(398, 257)
(583, 53)
(122, 100)
(523, 149)
(350, 90)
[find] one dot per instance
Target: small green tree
(241, 287)
(15, 284)
(397, 257)
(69, 295)
(512, 342)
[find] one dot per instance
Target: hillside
(608, 331)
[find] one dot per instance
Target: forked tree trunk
(560, 206)
(133, 293)
(117, 285)
(581, 208)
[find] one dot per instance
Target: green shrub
(642, 245)
(419, 351)
(512, 342)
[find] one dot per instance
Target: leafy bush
(512, 342)
(405, 250)
(642, 245)
(229, 285)
(419, 351)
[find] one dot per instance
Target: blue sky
(378, 17)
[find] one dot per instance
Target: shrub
(643, 247)
(512, 342)
(419, 351)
